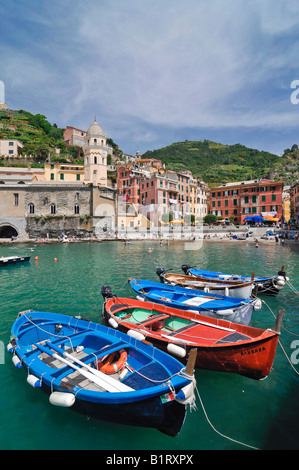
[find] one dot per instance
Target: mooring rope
(218, 432)
(283, 350)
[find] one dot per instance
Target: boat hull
(243, 350)
(264, 285)
(211, 305)
(240, 291)
(13, 260)
(51, 348)
(167, 417)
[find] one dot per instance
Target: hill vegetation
(216, 163)
(213, 162)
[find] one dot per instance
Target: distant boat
(265, 285)
(238, 289)
(221, 346)
(212, 305)
(102, 373)
(4, 261)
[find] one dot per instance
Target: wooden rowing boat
(221, 346)
(237, 289)
(71, 358)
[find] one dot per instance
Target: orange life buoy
(110, 367)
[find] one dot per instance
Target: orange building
(239, 200)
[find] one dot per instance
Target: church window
(53, 209)
(31, 208)
(77, 209)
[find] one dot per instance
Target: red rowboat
(221, 345)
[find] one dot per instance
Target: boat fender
(257, 305)
(226, 292)
(138, 297)
(62, 399)
(176, 350)
(228, 311)
(279, 282)
(113, 323)
(186, 394)
(135, 334)
(35, 382)
(10, 348)
(17, 362)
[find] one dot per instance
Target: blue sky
(157, 72)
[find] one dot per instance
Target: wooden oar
(102, 380)
(120, 386)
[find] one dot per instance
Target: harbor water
(233, 412)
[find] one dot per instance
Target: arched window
(53, 209)
(31, 208)
(77, 209)
(95, 141)
(95, 160)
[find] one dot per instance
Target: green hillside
(39, 137)
(216, 163)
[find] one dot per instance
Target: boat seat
(232, 338)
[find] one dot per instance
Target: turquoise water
(261, 414)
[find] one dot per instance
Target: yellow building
(64, 172)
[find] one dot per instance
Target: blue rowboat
(71, 360)
(212, 305)
(265, 285)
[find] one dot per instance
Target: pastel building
(64, 172)
(246, 199)
(294, 202)
(74, 136)
(10, 147)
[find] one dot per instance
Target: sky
(158, 71)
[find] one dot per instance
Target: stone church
(40, 209)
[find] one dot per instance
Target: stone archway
(8, 231)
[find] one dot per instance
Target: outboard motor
(185, 268)
(106, 292)
(160, 272)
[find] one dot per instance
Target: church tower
(95, 155)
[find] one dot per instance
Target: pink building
(74, 136)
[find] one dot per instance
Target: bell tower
(95, 155)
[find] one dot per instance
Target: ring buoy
(108, 365)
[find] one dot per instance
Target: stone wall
(56, 226)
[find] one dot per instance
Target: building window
(274, 197)
(16, 199)
(78, 177)
(77, 209)
(52, 176)
(246, 199)
(263, 198)
(53, 209)
(61, 176)
(10, 143)
(235, 202)
(31, 208)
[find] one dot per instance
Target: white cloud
(182, 64)
(162, 63)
